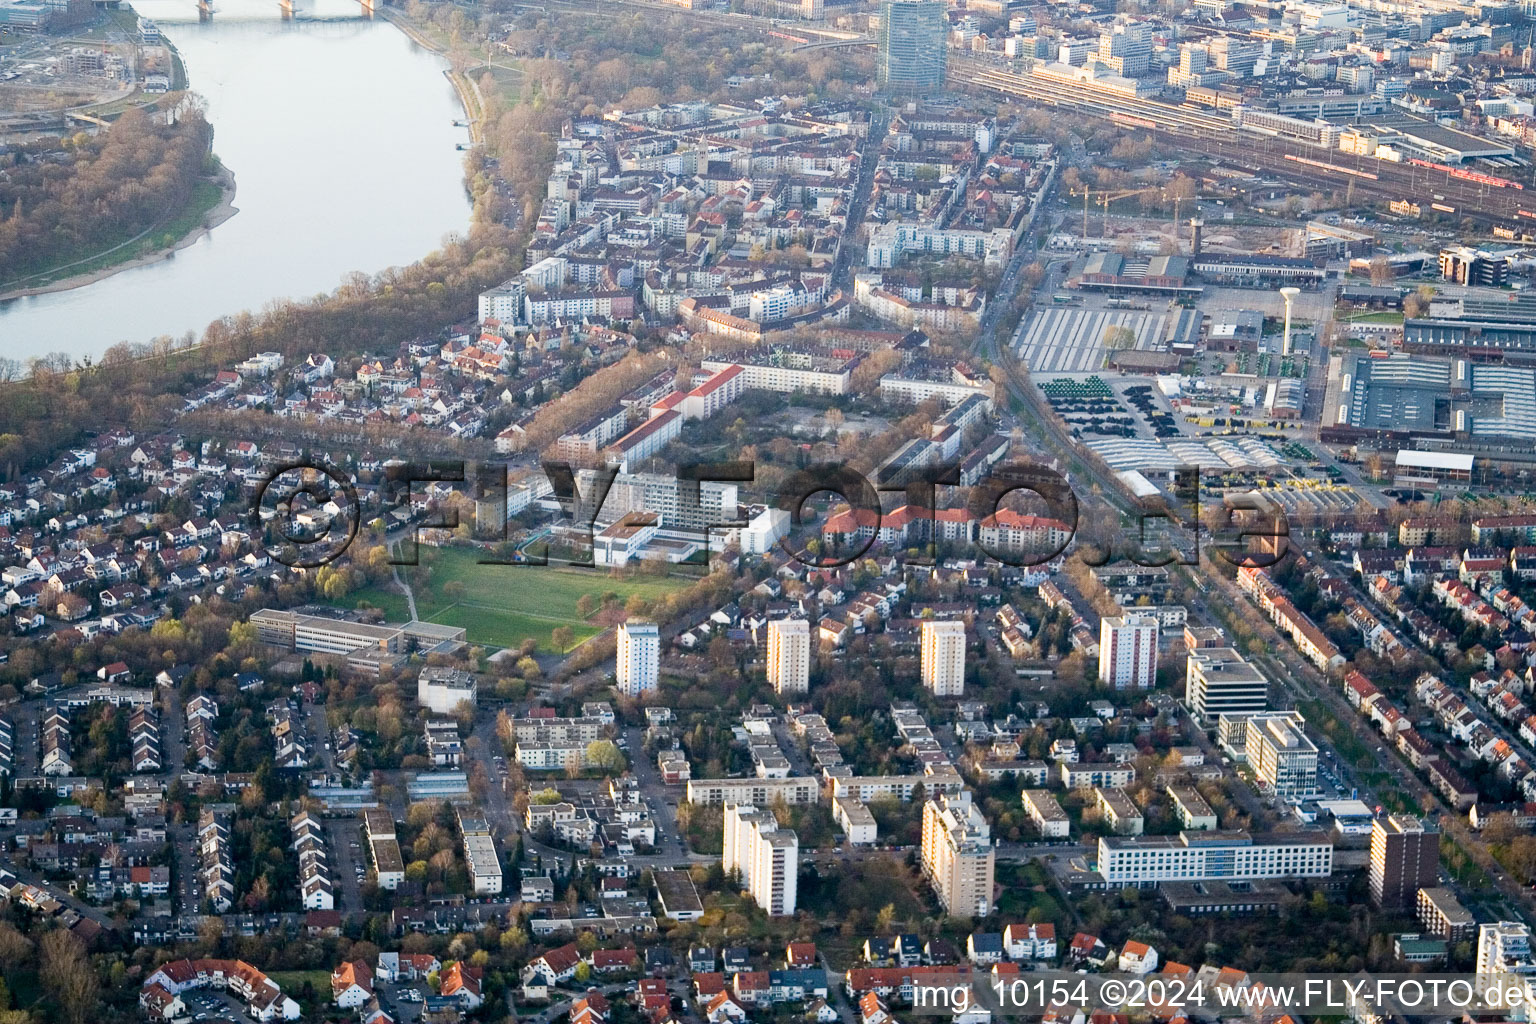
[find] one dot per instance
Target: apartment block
(789, 656)
(957, 855)
(1442, 915)
(767, 857)
(1046, 812)
(639, 658)
(1128, 651)
(943, 657)
(1405, 857)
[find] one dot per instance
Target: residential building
(1504, 949)
(480, 855)
(767, 857)
(1046, 812)
(789, 655)
(441, 690)
(639, 658)
(1443, 916)
(957, 855)
(1405, 857)
(1195, 814)
(943, 655)
(1128, 651)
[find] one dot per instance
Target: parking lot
(210, 1004)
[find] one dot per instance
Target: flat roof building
(1281, 755)
(1219, 681)
(1405, 857)
(957, 855)
(1219, 855)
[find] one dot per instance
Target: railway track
(1215, 136)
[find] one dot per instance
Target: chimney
(1195, 226)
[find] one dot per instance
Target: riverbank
(208, 210)
(469, 93)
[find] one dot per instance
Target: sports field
(503, 605)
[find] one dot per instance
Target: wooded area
(62, 199)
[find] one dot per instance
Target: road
(36, 878)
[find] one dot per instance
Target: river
(340, 133)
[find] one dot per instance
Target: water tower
(1288, 294)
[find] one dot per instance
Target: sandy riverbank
(221, 212)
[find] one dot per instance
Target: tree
(1381, 271)
(605, 756)
(561, 637)
(67, 973)
(14, 948)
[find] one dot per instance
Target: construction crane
(1106, 197)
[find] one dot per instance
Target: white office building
(442, 690)
(789, 655)
(639, 658)
(1231, 856)
(1281, 756)
(1218, 681)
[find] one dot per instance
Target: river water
(340, 134)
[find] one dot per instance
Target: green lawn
(292, 981)
(504, 605)
(387, 599)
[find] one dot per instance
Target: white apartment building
(441, 690)
(504, 302)
(796, 789)
(943, 657)
(856, 821)
(789, 655)
(639, 658)
(1281, 756)
(480, 855)
(811, 375)
(1128, 651)
(767, 856)
(1046, 812)
(1230, 856)
(958, 856)
(1504, 949)
(681, 507)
